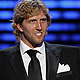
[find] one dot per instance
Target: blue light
(50, 37)
(6, 27)
(11, 4)
(64, 37)
(51, 4)
(70, 4)
(55, 14)
(71, 15)
(62, 27)
(2, 46)
(68, 27)
(76, 37)
(7, 4)
(6, 14)
(7, 37)
(54, 27)
(76, 45)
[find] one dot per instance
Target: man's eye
(43, 20)
(31, 21)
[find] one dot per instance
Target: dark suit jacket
(12, 67)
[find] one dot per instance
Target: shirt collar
(41, 49)
(24, 48)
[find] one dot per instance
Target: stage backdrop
(64, 28)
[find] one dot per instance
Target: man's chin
(38, 43)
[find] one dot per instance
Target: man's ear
(19, 27)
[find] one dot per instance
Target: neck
(32, 45)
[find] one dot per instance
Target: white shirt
(26, 59)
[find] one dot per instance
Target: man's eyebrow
(32, 19)
(44, 18)
(36, 19)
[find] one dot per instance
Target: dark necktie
(34, 72)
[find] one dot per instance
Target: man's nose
(39, 26)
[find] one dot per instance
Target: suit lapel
(52, 60)
(17, 63)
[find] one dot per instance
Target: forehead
(41, 14)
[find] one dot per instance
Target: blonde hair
(24, 10)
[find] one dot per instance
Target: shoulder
(61, 46)
(8, 50)
(64, 49)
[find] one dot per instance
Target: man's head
(28, 15)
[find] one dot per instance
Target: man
(30, 22)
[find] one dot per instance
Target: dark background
(65, 25)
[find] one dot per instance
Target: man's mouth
(38, 34)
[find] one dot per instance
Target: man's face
(34, 29)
